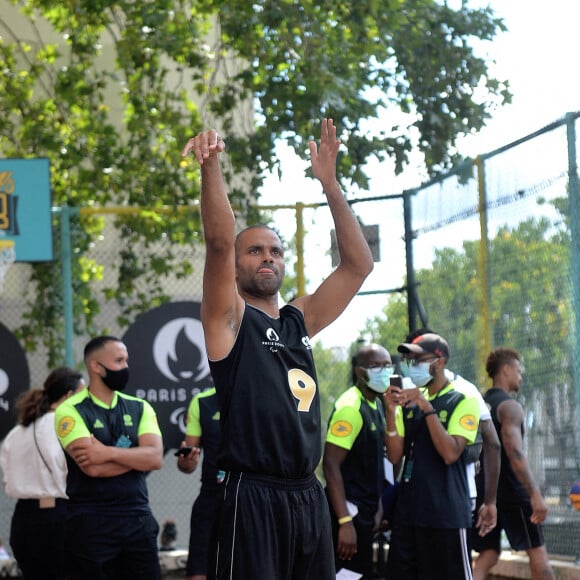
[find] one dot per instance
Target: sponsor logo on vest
(468, 422)
(65, 426)
(341, 429)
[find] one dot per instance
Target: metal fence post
(484, 344)
(67, 298)
(573, 193)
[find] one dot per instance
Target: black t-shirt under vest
(363, 470)
(269, 399)
(436, 495)
(509, 488)
(123, 494)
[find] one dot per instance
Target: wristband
(344, 520)
(432, 412)
(392, 433)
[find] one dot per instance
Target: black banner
(14, 378)
(168, 363)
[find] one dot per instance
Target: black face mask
(116, 380)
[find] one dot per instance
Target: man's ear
(93, 366)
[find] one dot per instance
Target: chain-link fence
(515, 289)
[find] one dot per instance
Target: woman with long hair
(35, 472)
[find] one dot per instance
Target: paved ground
(511, 566)
(515, 565)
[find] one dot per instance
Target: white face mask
(420, 374)
(379, 378)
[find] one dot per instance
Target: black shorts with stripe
(272, 528)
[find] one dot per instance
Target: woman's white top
(25, 474)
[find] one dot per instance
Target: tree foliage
(530, 304)
(109, 91)
(334, 377)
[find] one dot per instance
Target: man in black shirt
(274, 520)
(520, 505)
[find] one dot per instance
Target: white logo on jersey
(273, 342)
(306, 342)
(272, 335)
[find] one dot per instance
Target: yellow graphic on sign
(6, 207)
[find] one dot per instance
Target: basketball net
(7, 257)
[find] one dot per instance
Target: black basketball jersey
(268, 396)
(509, 487)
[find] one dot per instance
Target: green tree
(530, 301)
(390, 328)
(114, 98)
(333, 373)
(334, 376)
(531, 311)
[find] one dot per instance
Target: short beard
(266, 289)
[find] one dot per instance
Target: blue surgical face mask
(378, 380)
(420, 373)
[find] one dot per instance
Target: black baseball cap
(429, 343)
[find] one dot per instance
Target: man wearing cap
(485, 516)
(430, 426)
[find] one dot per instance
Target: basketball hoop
(7, 257)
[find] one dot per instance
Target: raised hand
(323, 157)
(203, 145)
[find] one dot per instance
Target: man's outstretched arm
(220, 305)
(356, 262)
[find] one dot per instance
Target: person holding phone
(353, 460)
(202, 431)
(484, 511)
(429, 427)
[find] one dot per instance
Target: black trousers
(103, 547)
(37, 539)
(362, 561)
(201, 526)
